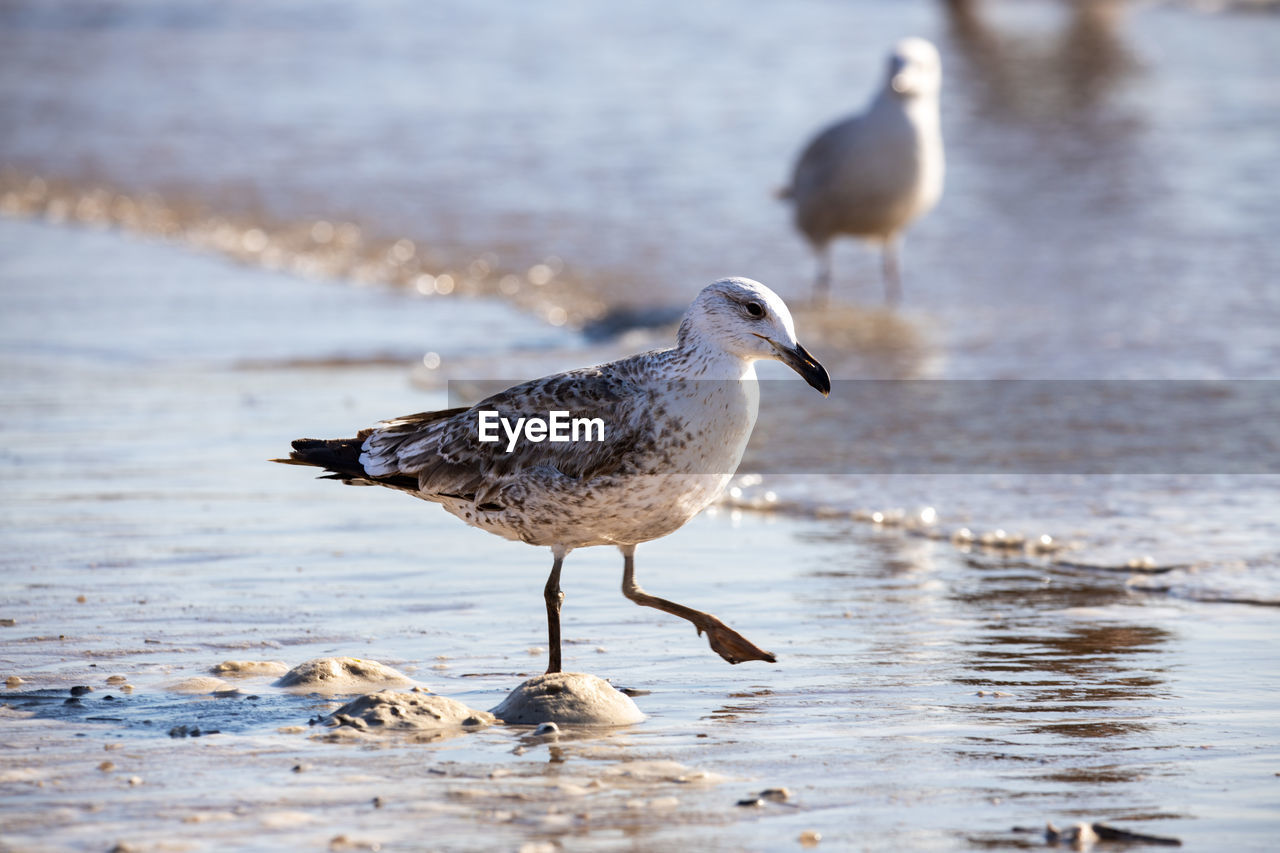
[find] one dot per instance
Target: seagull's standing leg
(822, 284)
(554, 597)
(889, 250)
(725, 641)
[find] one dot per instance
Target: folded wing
(443, 454)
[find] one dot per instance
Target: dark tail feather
(340, 457)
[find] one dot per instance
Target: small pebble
(751, 801)
(107, 766)
(545, 729)
(777, 795)
(810, 838)
(135, 781)
(116, 679)
(13, 681)
(81, 689)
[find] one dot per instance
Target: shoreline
(923, 698)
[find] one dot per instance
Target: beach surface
(927, 695)
(1021, 567)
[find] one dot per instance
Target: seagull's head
(748, 320)
(915, 69)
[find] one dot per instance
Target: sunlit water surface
(1109, 215)
(927, 696)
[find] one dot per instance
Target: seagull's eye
(755, 309)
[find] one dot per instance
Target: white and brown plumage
(873, 174)
(676, 424)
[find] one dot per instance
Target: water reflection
(1050, 677)
(1063, 76)
(1053, 675)
(1052, 99)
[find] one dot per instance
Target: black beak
(807, 366)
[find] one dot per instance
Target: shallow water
(927, 696)
(1110, 198)
(1108, 216)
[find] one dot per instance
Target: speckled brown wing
(448, 459)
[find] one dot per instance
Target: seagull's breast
(704, 424)
(700, 430)
(891, 171)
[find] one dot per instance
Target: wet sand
(927, 696)
(944, 674)
(1109, 203)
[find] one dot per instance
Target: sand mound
(391, 710)
(418, 714)
(342, 675)
(250, 667)
(198, 684)
(568, 698)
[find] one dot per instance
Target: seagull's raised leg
(892, 272)
(822, 284)
(725, 641)
(554, 597)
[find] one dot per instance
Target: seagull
(675, 424)
(871, 175)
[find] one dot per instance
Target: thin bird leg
(554, 597)
(725, 641)
(892, 274)
(822, 284)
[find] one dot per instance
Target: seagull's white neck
(697, 358)
(921, 109)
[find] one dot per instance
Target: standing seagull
(871, 175)
(676, 422)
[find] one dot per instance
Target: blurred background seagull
(871, 175)
(676, 424)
